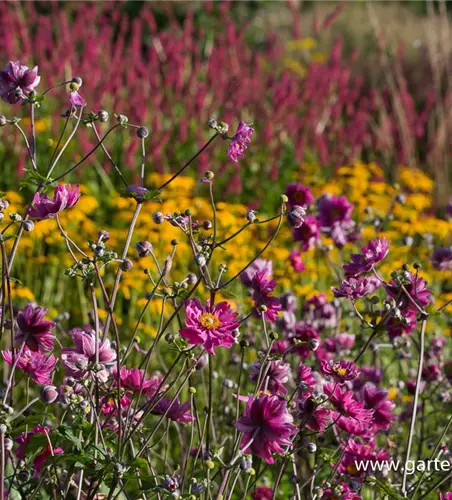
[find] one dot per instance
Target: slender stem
(33, 133)
(30, 153)
(415, 402)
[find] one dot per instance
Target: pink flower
(134, 380)
(299, 194)
(76, 99)
(315, 417)
(296, 261)
(345, 403)
(356, 452)
(341, 343)
(37, 365)
(77, 361)
(258, 266)
(341, 371)
(210, 327)
(266, 425)
(304, 333)
(306, 381)
(417, 289)
(266, 493)
(16, 81)
(353, 288)
(377, 400)
(177, 412)
(34, 330)
(365, 261)
(274, 375)
(307, 234)
(446, 496)
(43, 455)
(335, 218)
(240, 141)
(262, 286)
(43, 207)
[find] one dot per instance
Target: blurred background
(351, 98)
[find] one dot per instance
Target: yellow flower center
(209, 321)
(340, 371)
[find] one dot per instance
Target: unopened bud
(158, 217)
(142, 132)
(126, 265)
(49, 394)
(102, 116)
(3, 121)
(29, 226)
(144, 248)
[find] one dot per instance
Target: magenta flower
(345, 403)
(263, 286)
(319, 312)
(274, 376)
(306, 381)
(177, 412)
(307, 234)
(16, 81)
(340, 371)
(356, 452)
(64, 196)
(266, 493)
(341, 343)
(37, 365)
(77, 361)
(365, 261)
(76, 99)
(377, 400)
(258, 266)
(209, 327)
(299, 194)
(353, 288)
(135, 380)
(240, 141)
(35, 331)
(335, 217)
(446, 496)
(296, 261)
(417, 289)
(295, 216)
(301, 337)
(312, 415)
(43, 455)
(266, 425)
(442, 259)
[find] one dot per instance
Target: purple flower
(266, 425)
(76, 99)
(43, 207)
(258, 266)
(307, 234)
(341, 371)
(298, 194)
(262, 286)
(319, 312)
(335, 217)
(306, 381)
(274, 376)
(76, 360)
(35, 331)
(210, 327)
(365, 261)
(417, 289)
(356, 452)
(16, 81)
(296, 261)
(301, 337)
(315, 417)
(377, 400)
(135, 380)
(353, 288)
(345, 403)
(178, 412)
(240, 141)
(295, 217)
(341, 343)
(442, 259)
(37, 365)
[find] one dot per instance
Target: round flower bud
(9, 443)
(81, 364)
(191, 278)
(29, 226)
(207, 225)
(144, 248)
(314, 344)
(284, 198)
(200, 260)
(401, 198)
(2, 216)
(122, 119)
(103, 235)
(3, 121)
(4, 204)
(77, 80)
(126, 265)
(158, 217)
(209, 175)
(210, 464)
(70, 381)
(251, 216)
(212, 123)
(142, 132)
(15, 217)
(311, 448)
(296, 216)
(49, 394)
(102, 116)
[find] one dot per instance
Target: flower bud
(314, 344)
(9, 443)
(251, 216)
(122, 119)
(200, 260)
(102, 116)
(167, 266)
(296, 216)
(49, 394)
(158, 217)
(191, 278)
(3, 121)
(77, 80)
(284, 198)
(126, 265)
(15, 217)
(207, 225)
(142, 132)
(144, 248)
(103, 235)
(29, 226)
(4, 204)
(209, 175)
(311, 448)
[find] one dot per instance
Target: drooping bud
(296, 216)
(158, 217)
(103, 116)
(49, 394)
(126, 265)
(142, 132)
(29, 226)
(144, 248)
